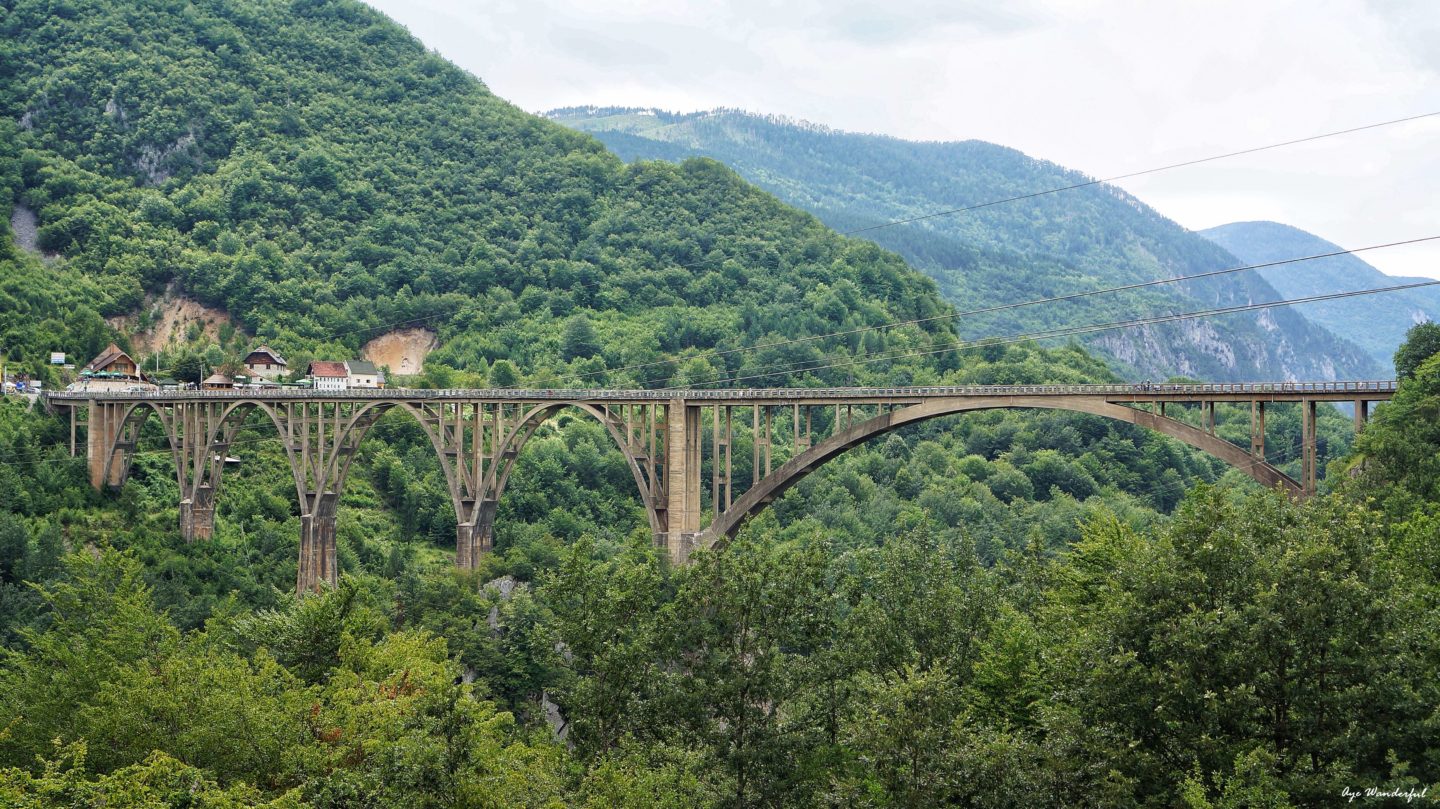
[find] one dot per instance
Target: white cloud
(1104, 86)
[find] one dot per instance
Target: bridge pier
(682, 480)
(475, 537)
(1257, 430)
(1309, 480)
(197, 514)
(317, 546)
(109, 439)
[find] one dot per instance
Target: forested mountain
(996, 609)
(1050, 245)
(1375, 323)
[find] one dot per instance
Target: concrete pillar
(1308, 477)
(317, 546)
(474, 539)
(682, 479)
(1361, 414)
(103, 431)
(197, 514)
(1257, 430)
(95, 445)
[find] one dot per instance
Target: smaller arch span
(726, 524)
(531, 421)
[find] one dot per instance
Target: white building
(325, 375)
(364, 374)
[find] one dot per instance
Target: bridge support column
(475, 538)
(96, 444)
(1362, 414)
(1308, 476)
(197, 514)
(110, 438)
(317, 546)
(1257, 430)
(682, 479)
(320, 438)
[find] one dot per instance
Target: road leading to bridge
(670, 438)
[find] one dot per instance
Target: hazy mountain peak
(1376, 322)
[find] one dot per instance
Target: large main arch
(754, 500)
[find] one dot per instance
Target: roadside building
(115, 362)
(113, 369)
(326, 375)
(217, 382)
(265, 363)
(363, 374)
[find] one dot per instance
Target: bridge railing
(727, 394)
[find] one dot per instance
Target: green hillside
(1078, 240)
(313, 171)
(992, 609)
(1376, 324)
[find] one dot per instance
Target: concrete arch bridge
(669, 438)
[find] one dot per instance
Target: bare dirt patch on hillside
(173, 316)
(25, 227)
(402, 351)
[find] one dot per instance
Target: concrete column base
(317, 548)
(472, 542)
(197, 515)
(678, 546)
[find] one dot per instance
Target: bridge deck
(1150, 392)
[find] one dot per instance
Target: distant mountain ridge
(1376, 323)
(1050, 245)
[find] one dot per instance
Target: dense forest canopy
(313, 171)
(998, 609)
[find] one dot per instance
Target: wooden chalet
(265, 363)
(114, 363)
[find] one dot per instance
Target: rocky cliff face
(1376, 323)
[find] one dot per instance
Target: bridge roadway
(669, 437)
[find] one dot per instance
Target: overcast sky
(1105, 87)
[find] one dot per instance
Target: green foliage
(1422, 342)
(991, 609)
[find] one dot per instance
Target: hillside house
(326, 375)
(217, 382)
(265, 363)
(114, 362)
(364, 374)
(113, 369)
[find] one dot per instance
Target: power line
(991, 203)
(1070, 331)
(1001, 307)
(1142, 173)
